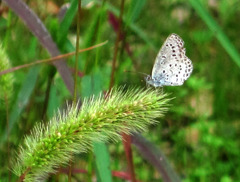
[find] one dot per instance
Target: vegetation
(195, 140)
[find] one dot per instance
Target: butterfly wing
(172, 67)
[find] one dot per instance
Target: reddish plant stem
(115, 24)
(126, 138)
(22, 177)
(128, 152)
(119, 174)
(116, 46)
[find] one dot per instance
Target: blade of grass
(99, 32)
(22, 100)
(153, 155)
(94, 84)
(93, 35)
(36, 26)
(76, 53)
(66, 22)
(102, 162)
(134, 11)
(89, 39)
(216, 29)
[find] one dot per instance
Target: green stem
(76, 54)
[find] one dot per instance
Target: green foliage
(6, 81)
(213, 26)
(199, 134)
(100, 119)
(102, 162)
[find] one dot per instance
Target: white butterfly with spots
(172, 67)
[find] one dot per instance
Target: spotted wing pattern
(172, 67)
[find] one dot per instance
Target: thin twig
(56, 58)
(22, 177)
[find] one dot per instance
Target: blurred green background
(199, 134)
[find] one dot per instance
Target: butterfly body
(172, 67)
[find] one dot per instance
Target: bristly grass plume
(99, 119)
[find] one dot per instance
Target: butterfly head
(150, 81)
(156, 82)
(147, 78)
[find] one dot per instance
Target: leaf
(66, 22)
(22, 100)
(216, 29)
(154, 156)
(102, 162)
(135, 10)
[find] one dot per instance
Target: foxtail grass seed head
(99, 119)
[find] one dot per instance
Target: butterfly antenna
(137, 72)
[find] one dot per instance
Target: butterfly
(172, 67)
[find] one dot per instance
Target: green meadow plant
(6, 81)
(100, 118)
